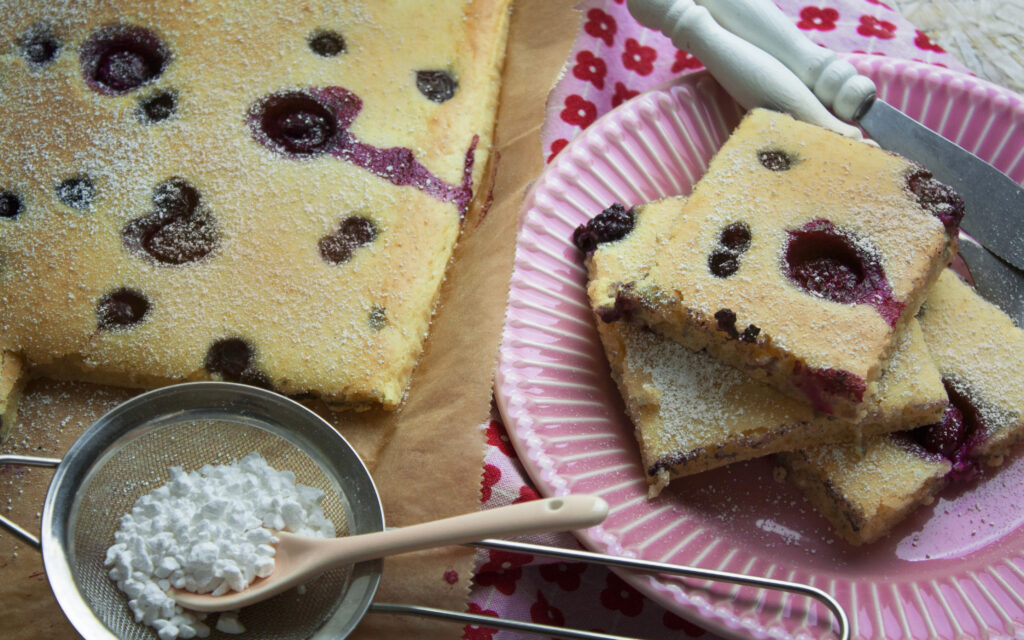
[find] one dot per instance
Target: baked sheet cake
(261, 192)
(800, 257)
(690, 411)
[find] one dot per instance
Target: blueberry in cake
(798, 259)
(690, 411)
(261, 192)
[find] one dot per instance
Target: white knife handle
(836, 82)
(751, 76)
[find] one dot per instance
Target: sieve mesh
(139, 463)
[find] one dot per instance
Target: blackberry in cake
(823, 244)
(690, 411)
(260, 192)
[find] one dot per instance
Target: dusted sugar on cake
(691, 412)
(267, 193)
(978, 352)
(12, 382)
(798, 258)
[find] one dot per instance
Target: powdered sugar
(208, 531)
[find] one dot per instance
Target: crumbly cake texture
(692, 413)
(801, 254)
(267, 193)
(865, 490)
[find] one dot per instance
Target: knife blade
(994, 202)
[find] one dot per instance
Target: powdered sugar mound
(208, 531)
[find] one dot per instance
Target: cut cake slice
(691, 412)
(798, 258)
(865, 492)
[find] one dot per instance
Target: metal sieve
(128, 452)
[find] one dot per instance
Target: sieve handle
(9, 525)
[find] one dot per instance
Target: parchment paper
(426, 458)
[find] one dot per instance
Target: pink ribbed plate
(953, 570)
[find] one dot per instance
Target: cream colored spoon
(297, 559)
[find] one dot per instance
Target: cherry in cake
(121, 309)
(119, 59)
(178, 231)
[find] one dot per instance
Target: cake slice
(978, 351)
(267, 193)
(691, 412)
(798, 258)
(12, 382)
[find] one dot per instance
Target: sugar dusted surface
(265, 281)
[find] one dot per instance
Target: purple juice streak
(397, 165)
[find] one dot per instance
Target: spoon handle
(536, 516)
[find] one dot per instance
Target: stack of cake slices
(798, 303)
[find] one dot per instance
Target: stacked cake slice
(773, 311)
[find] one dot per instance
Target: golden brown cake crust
(348, 327)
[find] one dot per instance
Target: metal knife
(994, 202)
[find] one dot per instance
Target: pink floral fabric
(614, 59)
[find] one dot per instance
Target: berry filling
(39, 46)
(10, 204)
(234, 360)
(119, 59)
(957, 435)
(827, 263)
(327, 43)
(437, 86)
(77, 193)
(937, 198)
(179, 230)
(121, 309)
(614, 223)
(316, 121)
(821, 385)
(157, 107)
(735, 237)
(625, 303)
(354, 232)
(775, 160)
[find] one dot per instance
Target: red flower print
(872, 27)
(526, 494)
(590, 68)
(622, 94)
(675, 623)
(685, 60)
(822, 19)
(492, 475)
(881, 4)
(544, 613)
(473, 632)
(564, 574)
(924, 42)
(579, 112)
(496, 434)
(619, 596)
(502, 570)
(639, 58)
(601, 25)
(556, 146)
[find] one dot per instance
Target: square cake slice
(691, 412)
(865, 492)
(798, 258)
(267, 193)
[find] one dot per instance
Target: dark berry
(10, 204)
(775, 160)
(727, 322)
(735, 237)
(723, 263)
(122, 58)
(352, 233)
(157, 107)
(378, 318)
(327, 43)
(937, 198)
(295, 123)
(39, 46)
(438, 86)
(179, 230)
(612, 224)
(77, 193)
(233, 359)
(750, 333)
(121, 309)
(946, 436)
